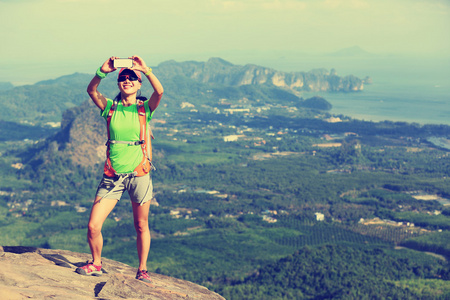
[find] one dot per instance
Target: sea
(403, 89)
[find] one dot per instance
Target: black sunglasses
(123, 78)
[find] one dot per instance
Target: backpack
(145, 142)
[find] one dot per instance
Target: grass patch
(15, 233)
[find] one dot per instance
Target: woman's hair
(138, 96)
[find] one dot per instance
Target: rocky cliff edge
(36, 273)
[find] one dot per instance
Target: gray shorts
(140, 188)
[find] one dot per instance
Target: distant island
(219, 71)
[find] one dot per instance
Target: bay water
(404, 89)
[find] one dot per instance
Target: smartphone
(123, 63)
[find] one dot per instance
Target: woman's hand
(108, 66)
(155, 98)
(139, 64)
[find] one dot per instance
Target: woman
(124, 126)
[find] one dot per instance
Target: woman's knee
(141, 225)
(94, 229)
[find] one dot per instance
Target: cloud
(18, 1)
(82, 1)
(259, 5)
(291, 5)
(345, 4)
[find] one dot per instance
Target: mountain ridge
(219, 71)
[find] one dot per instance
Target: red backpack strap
(146, 145)
(142, 119)
(112, 109)
(108, 169)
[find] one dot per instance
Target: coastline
(385, 102)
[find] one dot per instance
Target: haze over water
(404, 89)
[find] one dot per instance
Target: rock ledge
(29, 272)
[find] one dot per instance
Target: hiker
(128, 162)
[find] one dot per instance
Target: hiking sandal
(142, 275)
(90, 269)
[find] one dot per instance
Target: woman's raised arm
(158, 90)
(96, 96)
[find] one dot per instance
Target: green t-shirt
(124, 126)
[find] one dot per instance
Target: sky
(43, 39)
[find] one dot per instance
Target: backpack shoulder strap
(142, 119)
(108, 170)
(145, 132)
(112, 109)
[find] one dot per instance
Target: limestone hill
(219, 71)
(28, 272)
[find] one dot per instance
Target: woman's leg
(99, 212)
(140, 215)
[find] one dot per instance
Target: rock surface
(36, 273)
